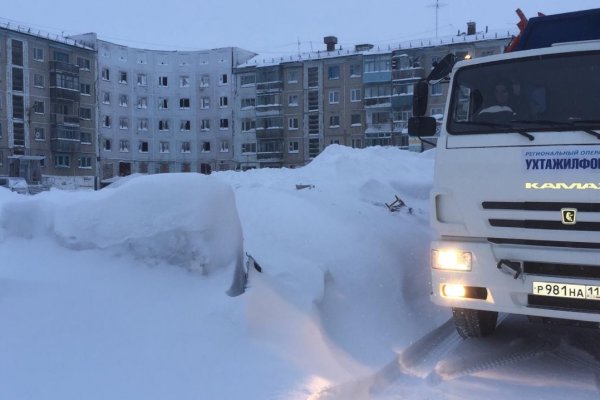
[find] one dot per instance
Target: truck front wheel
(474, 323)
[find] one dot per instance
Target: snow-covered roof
(262, 60)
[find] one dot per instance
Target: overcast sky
(270, 26)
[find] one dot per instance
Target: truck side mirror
(420, 94)
(422, 126)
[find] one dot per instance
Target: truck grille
(562, 270)
(564, 304)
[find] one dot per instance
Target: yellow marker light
(453, 291)
(468, 57)
(452, 260)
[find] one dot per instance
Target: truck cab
(516, 194)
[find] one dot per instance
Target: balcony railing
(64, 119)
(408, 74)
(64, 94)
(59, 66)
(65, 145)
(269, 86)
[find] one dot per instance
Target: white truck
(516, 192)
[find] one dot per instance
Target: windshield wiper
(570, 124)
(501, 125)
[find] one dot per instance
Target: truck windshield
(558, 92)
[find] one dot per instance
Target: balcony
(377, 77)
(65, 145)
(273, 156)
(269, 133)
(62, 119)
(409, 74)
(58, 93)
(402, 100)
(59, 66)
(269, 87)
(383, 130)
(372, 102)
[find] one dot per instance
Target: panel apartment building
(290, 108)
(164, 111)
(47, 109)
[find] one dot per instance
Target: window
(38, 54)
(249, 102)
(163, 81)
(85, 113)
(85, 89)
(205, 125)
(85, 162)
(142, 80)
(106, 123)
(186, 147)
(106, 144)
(143, 146)
(164, 147)
(223, 79)
(436, 89)
(143, 124)
(293, 147)
(355, 70)
(334, 96)
(61, 56)
(224, 123)
(163, 103)
(248, 79)
(334, 121)
(184, 103)
(355, 120)
(86, 137)
(184, 81)
(205, 147)
(204, 103)
(248, 148)
(38, 80)
(223, 101)
(224, 146)
(248, 124)
(123, 100)
(83, 63)
(142, 102)
(105, 74)
(292, 76)
(355, 95)
(185, 125)
(437, 111)
(406, 88)
(293, 100)
(163, 125)
(40, 134)
(333, 72)
(62, 161)
(204, 81)
(124, 146)
(313, 147)
(293, 123)
(17, 79)
(106, 97)
(357, 143)
(123, 123)
(17, 52)
(38, 106)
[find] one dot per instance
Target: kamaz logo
(568, 216)
(562, 185)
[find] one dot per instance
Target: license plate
(584, 292)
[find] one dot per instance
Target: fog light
(453, 291)
(451, 260)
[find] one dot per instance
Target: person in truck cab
(501, 109)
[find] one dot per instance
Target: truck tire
(474, 323)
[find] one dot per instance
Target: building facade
(47, 109)
(357, 98)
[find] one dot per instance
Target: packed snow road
(522, 360)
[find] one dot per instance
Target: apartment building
(355, 97)
(47, 109)
(165, 111)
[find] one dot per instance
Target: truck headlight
(453, 260)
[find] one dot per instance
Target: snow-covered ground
(122, 293)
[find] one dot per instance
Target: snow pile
(93, 307)
(189, 220)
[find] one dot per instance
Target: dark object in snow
(300, 187)
(397, 204)
(252, 263)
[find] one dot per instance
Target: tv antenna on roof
(437, 7)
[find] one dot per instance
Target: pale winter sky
(270, 26)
